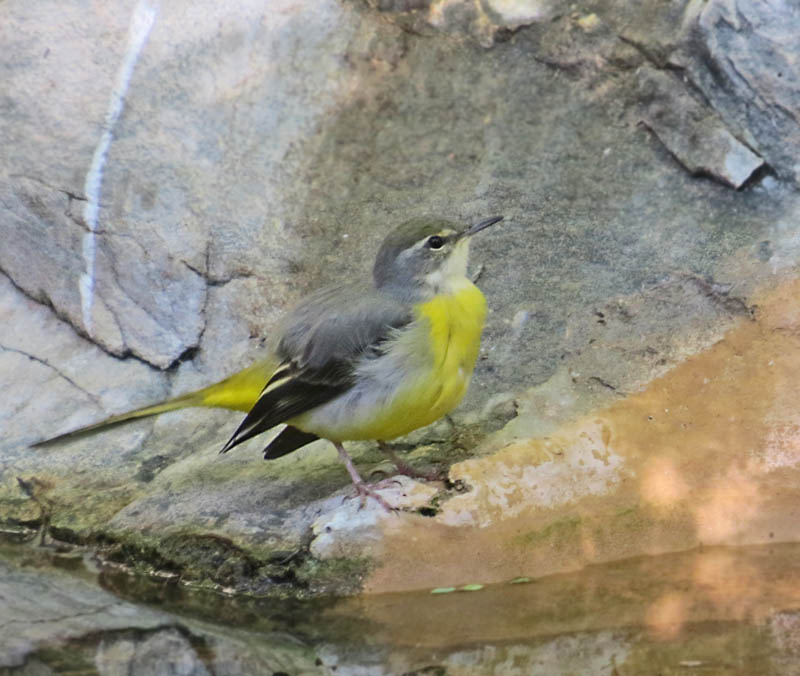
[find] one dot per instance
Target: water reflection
(720, 610)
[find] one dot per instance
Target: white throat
(451, 276)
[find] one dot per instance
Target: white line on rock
(144, 16)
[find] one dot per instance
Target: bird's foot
(432, 475)
(364, 491)
(404, 468)
(388, 482)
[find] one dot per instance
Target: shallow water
(711, 611)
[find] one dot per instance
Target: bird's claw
(364, 491)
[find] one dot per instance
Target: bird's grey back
(337, 324)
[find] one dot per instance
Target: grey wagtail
(362, 361)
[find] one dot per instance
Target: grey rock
(479, 21)
(46, 364)
(41, 608)
(740, 56)
(261, 153)
(152, 263)
(746, 65)
(658, 33)
(52, 622)
(164, 653)
(693, 132)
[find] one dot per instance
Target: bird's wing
(322, 341)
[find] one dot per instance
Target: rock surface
(53, 622)
(730, 609)
(692, 132)
(176, 175)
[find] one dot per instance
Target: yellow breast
(455, 325)
(422, 375)
(445, 340)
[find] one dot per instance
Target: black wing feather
(289, 439)
(321, 343)
(278, 404)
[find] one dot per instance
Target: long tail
(238, 392)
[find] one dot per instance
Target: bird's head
(424, 257)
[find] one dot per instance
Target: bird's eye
(435, 242)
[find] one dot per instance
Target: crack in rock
(693, 133)
(46, 620)
(59, 372)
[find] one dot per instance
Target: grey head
(424, 256)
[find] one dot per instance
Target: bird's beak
(480, 226)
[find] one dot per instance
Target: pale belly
(424, 375)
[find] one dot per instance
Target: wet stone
(717, 610)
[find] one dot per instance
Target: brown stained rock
(671, 597)
(708, 454)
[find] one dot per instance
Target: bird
(372, 359)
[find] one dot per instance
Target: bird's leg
(404, 468)
(362, 489)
